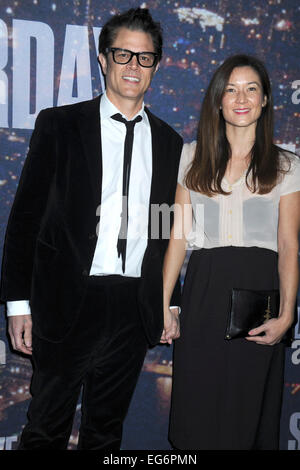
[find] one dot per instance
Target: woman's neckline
(238, 181)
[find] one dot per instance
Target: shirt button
(229, 236)
(85, 272)
(230, 211)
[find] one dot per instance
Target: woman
(238, 199)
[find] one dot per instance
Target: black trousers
(104, 354)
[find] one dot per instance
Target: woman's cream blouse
(242, 218)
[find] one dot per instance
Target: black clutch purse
(250, 309)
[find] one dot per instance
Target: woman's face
(243, 98)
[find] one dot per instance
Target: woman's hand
(173, 261)
(288, 247)
(171, 329)
(273, 330)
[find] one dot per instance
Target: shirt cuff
(175, 306)
(18, 307)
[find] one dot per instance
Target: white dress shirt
(106, 260)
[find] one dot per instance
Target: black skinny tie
(122, 238)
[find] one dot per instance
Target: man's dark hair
(135, 19)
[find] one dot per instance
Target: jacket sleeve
(27, 212)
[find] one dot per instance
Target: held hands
(19, 329)
(171, 325)
(273, 330)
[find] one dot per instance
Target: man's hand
(19, 329)
(171, 325)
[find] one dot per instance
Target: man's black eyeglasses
(123, 56)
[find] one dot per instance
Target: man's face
(128, 81)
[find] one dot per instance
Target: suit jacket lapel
(159, 159)
(160, 164)
(90, 132)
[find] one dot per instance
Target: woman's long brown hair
(213, 150)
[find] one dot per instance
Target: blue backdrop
(48, 58)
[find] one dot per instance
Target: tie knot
(128, 124)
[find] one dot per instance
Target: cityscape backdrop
(48, 57)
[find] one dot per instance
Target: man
(95, 301)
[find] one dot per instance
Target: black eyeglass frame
(137, 54)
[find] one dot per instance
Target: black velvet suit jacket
(51, 234)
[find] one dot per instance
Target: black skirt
(226, 394)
